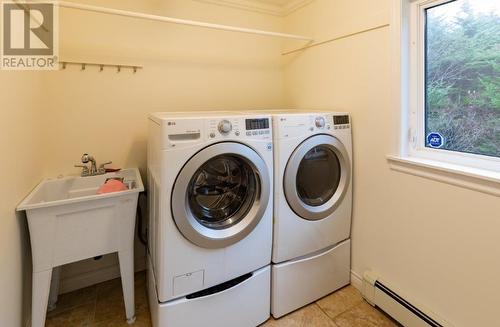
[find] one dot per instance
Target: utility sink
(68, 221)
(74, 189)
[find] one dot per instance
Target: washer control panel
(341, 122)
(320, 122)
(182, 132)
(259, 128)
(225, 127)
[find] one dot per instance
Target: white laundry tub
(69, 222)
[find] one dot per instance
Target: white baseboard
(93, 277)
(356, 281)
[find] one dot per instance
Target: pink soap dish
(112, 185)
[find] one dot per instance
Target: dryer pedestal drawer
(299, 282)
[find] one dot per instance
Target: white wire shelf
(166, 19)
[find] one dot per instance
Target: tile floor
(101, 305)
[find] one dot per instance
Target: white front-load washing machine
(312, 208)
(210, 184)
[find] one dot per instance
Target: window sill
(481, 180)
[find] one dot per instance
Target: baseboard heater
(380, 294)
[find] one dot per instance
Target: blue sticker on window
(435, 140)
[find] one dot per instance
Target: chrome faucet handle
(105, 163)
(102, 168)
(85, 170)
(87, 158)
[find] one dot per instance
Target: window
(455, 82)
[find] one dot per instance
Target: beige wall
(185, 68)
(22, 133)
(48, 120)
(435, 242)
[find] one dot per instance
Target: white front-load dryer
(313, 204)
(210, 179)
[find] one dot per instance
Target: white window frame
(415, 88)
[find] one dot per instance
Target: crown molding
(294, 5)
(264, 8)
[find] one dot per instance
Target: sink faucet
(86, 158)
(93, 170)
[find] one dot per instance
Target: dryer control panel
(300, 124)
(292, 125)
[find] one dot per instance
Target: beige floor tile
(306, 317)
(340, 301)
(109, 303)
(76, 298)
(74, 317)
(143, 319)
(102, 306)
(364, 315)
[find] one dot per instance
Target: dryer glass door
(317, 177)
(221, 194)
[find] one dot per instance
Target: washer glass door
(220, 195)
(317, 177)
(222, 191)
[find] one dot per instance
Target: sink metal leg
(40, 297)
(126, 259)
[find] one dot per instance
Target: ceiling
(272, 7)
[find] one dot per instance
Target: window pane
(463, 77)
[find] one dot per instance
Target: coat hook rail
(84, 65)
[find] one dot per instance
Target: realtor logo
(29, 36)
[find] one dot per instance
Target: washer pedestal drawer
(245, 304)
(296, 283)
